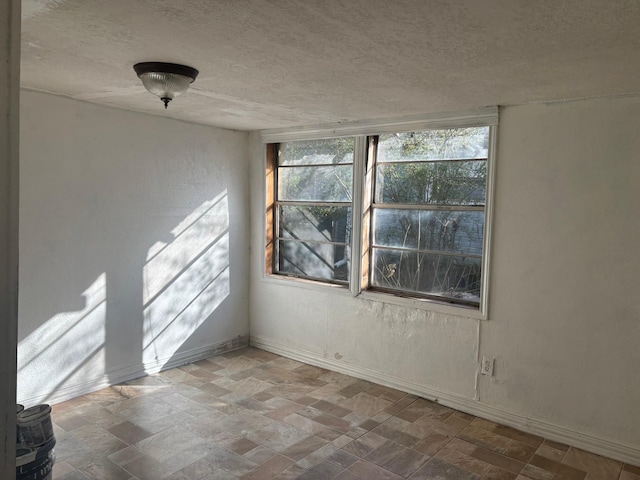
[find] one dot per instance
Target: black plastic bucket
(35, 426)
(19, 408)
(36, 463)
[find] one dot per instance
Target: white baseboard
(601, 446)
(74, 390)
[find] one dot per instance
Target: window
(411, 205)
(429, 212)
(313, 209)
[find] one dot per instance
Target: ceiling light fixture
(166, 80)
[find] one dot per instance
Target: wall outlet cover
(487, 366)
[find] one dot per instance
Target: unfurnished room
(320, 239)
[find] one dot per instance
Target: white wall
(9, 163)
(564, 310)
(133, 245)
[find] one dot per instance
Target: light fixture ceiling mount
(166, 80)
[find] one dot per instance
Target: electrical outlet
(487, 366)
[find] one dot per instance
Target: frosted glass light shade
(166, 80)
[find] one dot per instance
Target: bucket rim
(34, 413)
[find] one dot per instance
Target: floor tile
(75, 475)
(436, 469)
(519, 451)
(260, 454)
(284, 411)
(168, 443)
(270, 468)
(369, 471)
(526, 438)
(406, 462)
(397, 436)
(331, 408)
(305, 447)
(322, 471)
(463, 460)
(631, 469)
(242, 446)
(125, 455)
(431, 444)
(105, 470)
(129, 432)
(189, 456)
(497, 473)
(303, 423)
(498, 460)
(356, 387)
(550, 452)
(69, 421)
(564, 472)
(320, 455)
(364, 445)
(347, 475)
(342, 458)
(291, 473)
(147, 468)
(485, 438)
(279, 436)
(228, 461)
(60, 469)
(535, 473)
(366, 404)
(597, 467)
(385, 453)
(252, 414)
(629, 476)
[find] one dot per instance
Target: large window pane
(314, 260)
(314, 152)
(434, 183)
(317, 223)
(316, 184)
(435, 230)
(442, 275)
(455, 143)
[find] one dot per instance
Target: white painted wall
(133, 244)
(9, 185)
(564, 310)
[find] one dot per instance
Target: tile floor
(250, 414)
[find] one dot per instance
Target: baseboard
(126, 374)
(196, 354)
(601, 446)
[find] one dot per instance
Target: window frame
(274, 238)
(363, 172)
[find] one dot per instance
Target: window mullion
(367, 211)
(359, 170)
(429, 207)
(271, 213)
(442, 253)
(309, 203)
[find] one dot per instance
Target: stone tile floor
(250, 414)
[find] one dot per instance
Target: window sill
(423, 304)
(306, 284)
(407, 302)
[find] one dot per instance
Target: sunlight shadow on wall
(185, 281)
(66, 349)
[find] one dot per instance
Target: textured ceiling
(278, 63)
